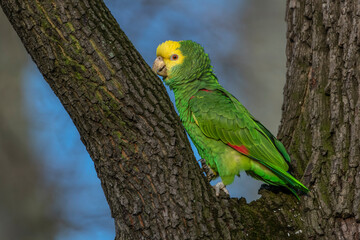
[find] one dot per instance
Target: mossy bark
(153, 184)
(320, 124)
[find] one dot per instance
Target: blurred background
(48, 184)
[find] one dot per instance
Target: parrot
(225, 134)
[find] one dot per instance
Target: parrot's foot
(210, 174)
(220, 186)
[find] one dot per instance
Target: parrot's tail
(281, 178)
(291, 183)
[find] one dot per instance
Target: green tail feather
(290, 182)
(294, 192)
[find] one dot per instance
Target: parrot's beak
(159, 67)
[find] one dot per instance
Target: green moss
(98, 96)
(75, 68)
(70, 26)
(78, 76)
(117, 134)
(105, 109)
(75, 43)
(114, 105)
(302, 143)
(323, 189)
(63, 71)
(67, 60)
(45, 24)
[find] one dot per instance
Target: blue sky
(56, 140)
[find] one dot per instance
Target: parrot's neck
(183, 93)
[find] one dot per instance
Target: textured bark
(152, 182)
(320, 123)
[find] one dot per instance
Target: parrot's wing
(220, 116)
(280, 147)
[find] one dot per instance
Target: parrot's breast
(221, 158)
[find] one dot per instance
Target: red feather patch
(205, 90)
(242, 149)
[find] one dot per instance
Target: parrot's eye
(174, 57)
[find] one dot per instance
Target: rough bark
(153, 184)
(320, 123)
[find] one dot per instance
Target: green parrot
(225, 134)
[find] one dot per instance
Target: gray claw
(220, 186)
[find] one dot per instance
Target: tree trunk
(321, 116)
(153, 184)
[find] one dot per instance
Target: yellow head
(181, 62)
(168, 55)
